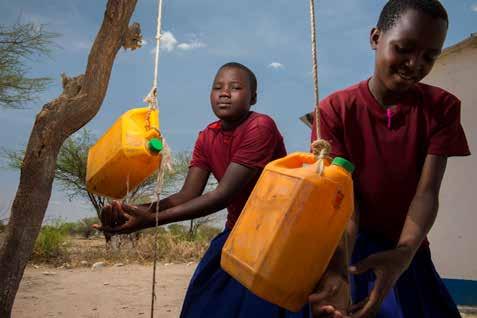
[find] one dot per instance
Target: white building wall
(454, 236)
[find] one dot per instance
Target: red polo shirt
(389, 147)
(254, 143)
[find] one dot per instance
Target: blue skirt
(214, 293)
(419, 292)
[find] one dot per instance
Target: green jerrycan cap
(342, 162)
(155, 145)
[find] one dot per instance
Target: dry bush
(174, 244)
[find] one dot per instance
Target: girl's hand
(123, 218)
(388, 267)
(332, 297)
(111, 216)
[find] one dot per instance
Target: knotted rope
(321, 148)
(152, 100)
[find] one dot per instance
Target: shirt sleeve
(331, 129)
(447, 137)
(259, 144)
(199, 156)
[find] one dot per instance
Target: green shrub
(69, 228)
(152, 230)
(50, 246)
(207, 232)
(178, 230)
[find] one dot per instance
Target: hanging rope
(151, 100)
(321, 148)
(166, 164)
(313, 51)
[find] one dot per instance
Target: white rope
(321, 147)
(151, 98)
(314, 54)
(166, 164)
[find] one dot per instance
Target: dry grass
(173, 245)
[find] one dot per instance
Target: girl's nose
(225, 92)
(415, 62)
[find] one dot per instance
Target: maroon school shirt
(389, 147)
(253, 143)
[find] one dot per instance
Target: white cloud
(168, 41)
(474, 7)
(276, 65)
(191, 45)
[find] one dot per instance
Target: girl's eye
(403, 50)
(430, 58)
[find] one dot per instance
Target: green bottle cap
(155, 145)
(342, 162)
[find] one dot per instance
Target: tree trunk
(57, 120)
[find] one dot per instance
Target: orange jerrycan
(126, 154)
(290, 228)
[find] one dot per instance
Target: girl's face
(406, 53)
(231, 96)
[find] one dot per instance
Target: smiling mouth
(408, 78)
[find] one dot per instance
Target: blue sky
(271, 37)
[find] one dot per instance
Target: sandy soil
(111, 291)
(106, 292)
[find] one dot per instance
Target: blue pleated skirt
(214, 293)
(419, 292)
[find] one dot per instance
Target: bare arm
(194, 185)
(233, 180)
(113, 216)
(423, 209)
(192, 204)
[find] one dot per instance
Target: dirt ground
(111, 291)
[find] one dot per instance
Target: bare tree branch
(18, 44)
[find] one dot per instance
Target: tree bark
(57, 120)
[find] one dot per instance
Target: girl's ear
(253, 100)
(374, 36)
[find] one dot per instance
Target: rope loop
(321, 149)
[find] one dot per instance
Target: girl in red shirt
(398, 133)
(234, 149)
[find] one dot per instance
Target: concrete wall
(454, 236)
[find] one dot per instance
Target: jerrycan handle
(295, 160)
(152, 133)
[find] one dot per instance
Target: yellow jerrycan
(126, 154)
(289, 228)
